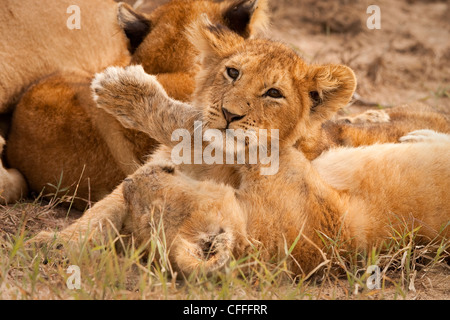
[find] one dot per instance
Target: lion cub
(260, 84)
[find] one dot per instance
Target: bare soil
(405, 61)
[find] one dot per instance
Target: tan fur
(354, 195)
(62, 152)
(36, 42)
(56, 129)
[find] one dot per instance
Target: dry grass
(116, 269)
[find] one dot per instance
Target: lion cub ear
(135, 25)
(246, 17)
(332, 89)
(215, 42)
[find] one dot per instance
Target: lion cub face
(261, 84)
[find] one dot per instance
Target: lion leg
(369, 116)
(106, 215)
(12, 184)
(138, 101)
(114, 135)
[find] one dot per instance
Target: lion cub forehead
(269, 69)
(268, 57)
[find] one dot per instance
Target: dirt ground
(405, 61)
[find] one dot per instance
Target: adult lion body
(36, 42)
(357, 196)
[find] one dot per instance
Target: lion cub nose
(231, 117)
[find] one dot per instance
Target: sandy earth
(407, 60)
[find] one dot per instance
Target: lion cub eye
(233, 73)
(274, 93)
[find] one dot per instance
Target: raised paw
(129, 94)
(370, 116)
(425, 135)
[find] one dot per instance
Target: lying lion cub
(355, 194)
